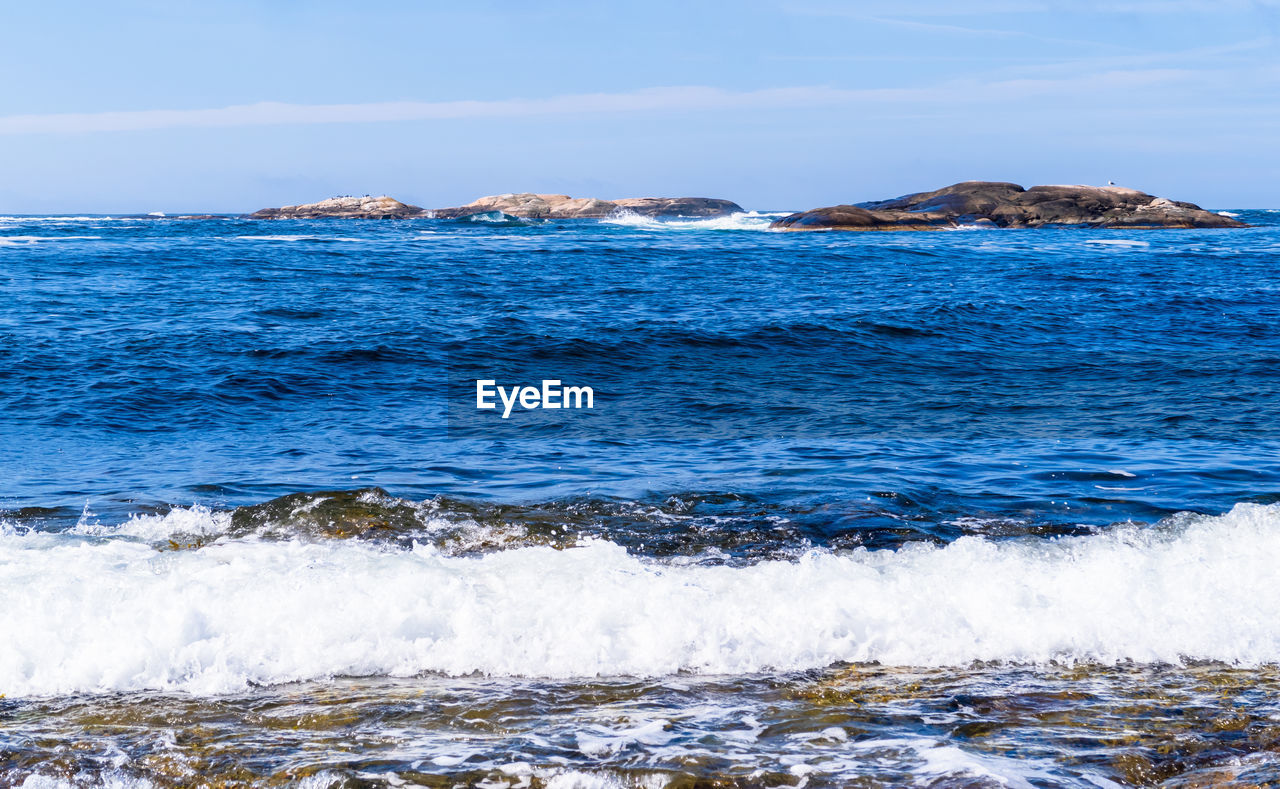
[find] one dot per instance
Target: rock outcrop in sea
(549, 206)
(1001, 204)
(344, 208)
(523, 205)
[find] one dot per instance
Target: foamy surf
(99, 614)
(749, 220)
(14, 241)
(59, 219)
(302, 237)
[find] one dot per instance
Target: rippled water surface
(973, 508)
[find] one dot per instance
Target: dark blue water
(973, 508)
(852, 382)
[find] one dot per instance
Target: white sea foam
(1227, 213)
(25, 219)
(301, 237)
(197, 521)
(942, 759)
(109, 780)
(748, 220)
(14, 241)
(93, 614)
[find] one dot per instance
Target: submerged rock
(366, 512)
(551, 206)
(1002, 204)
(374, 515)
(344, 208)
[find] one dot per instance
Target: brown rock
(552, 206)
(344, 208)
(532, 206)
(1009, 205)
(852, 217)
(697, 207)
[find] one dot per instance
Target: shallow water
(956, 508)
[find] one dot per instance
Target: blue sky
(231, 106)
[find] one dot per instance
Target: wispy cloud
(987, 32)
(949, 28)
(278, 113)
(652, 100)
(936, 9)
(1223, 56)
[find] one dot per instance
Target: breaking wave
(749, 220)
(108, 612)
(14, 241)
(303, 237)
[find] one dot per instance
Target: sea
(972, 508)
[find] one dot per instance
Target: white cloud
(277, 113)
(652, 100)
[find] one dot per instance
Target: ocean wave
(14, 241)
(497, 218)
(117, 779)
(459, 527)
(24, 219)
(90, 614)
(1117, 242)
(302, 237)
(749, 220)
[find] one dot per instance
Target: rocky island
(524, 205)
(549, 206)
(1001, 204)
(344, 208)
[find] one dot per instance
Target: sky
(151, 105)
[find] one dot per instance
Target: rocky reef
(1001, 204)
(344, 208)
(524, 205)
(549, 206)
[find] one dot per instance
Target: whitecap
(25, 219)
(743, 220)
(14, 241)
(301, 237)
(87, 614)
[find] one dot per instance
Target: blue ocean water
(1059, 376)
(838, 495)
